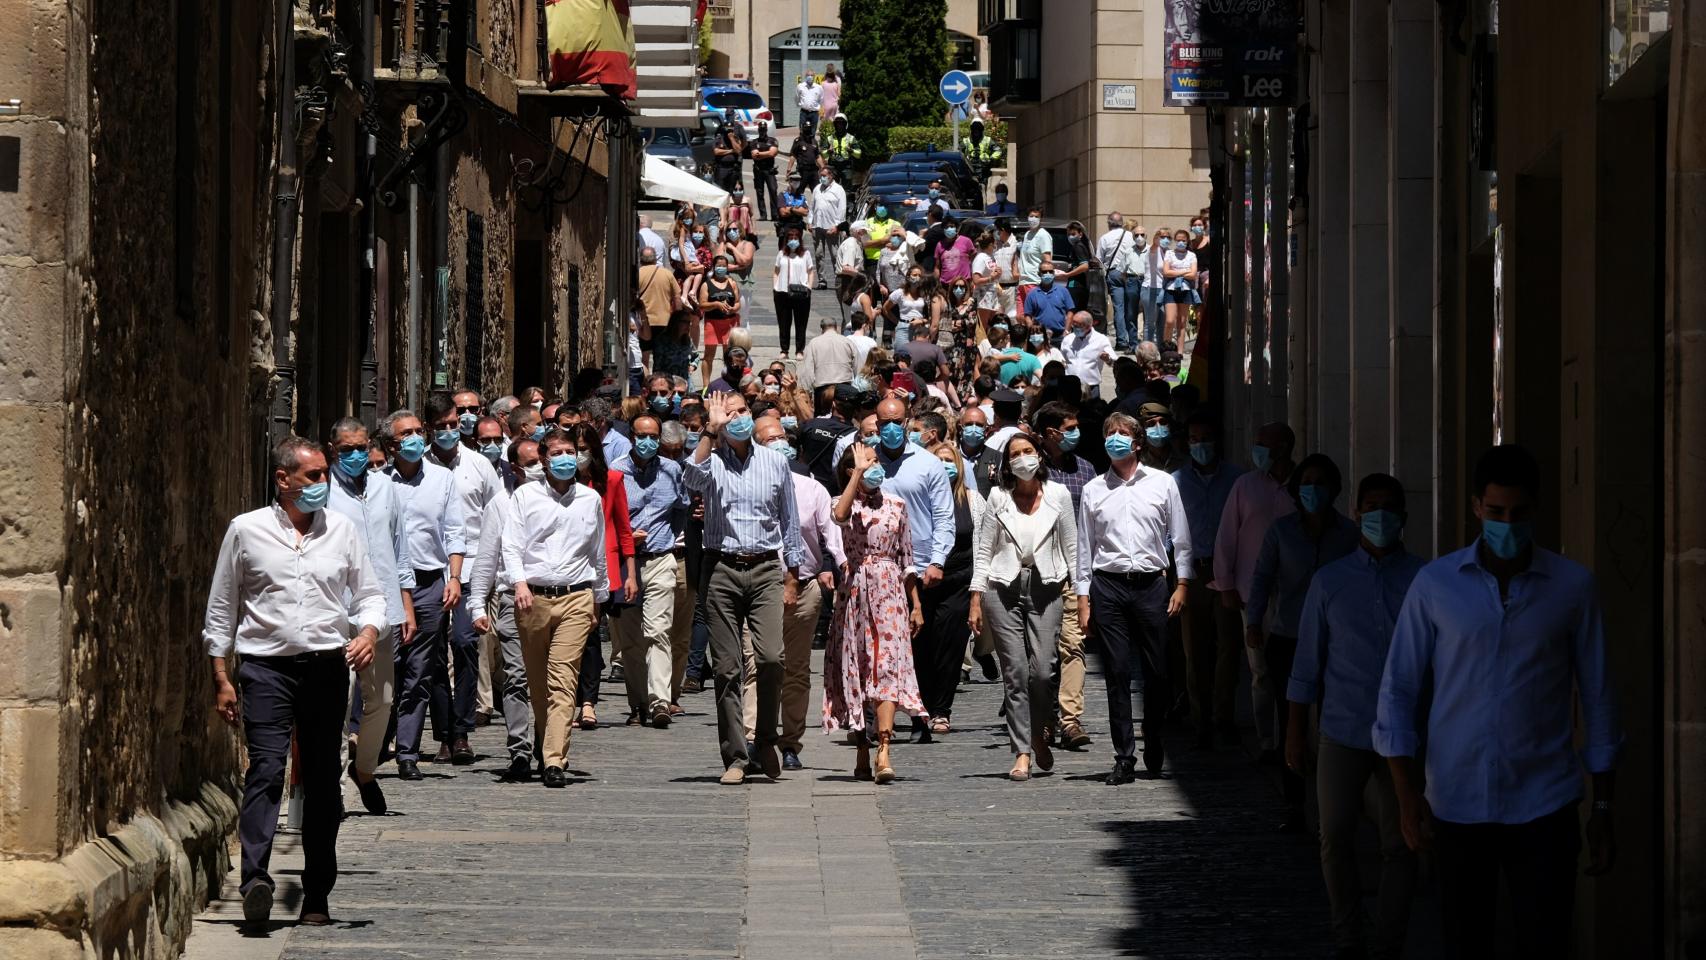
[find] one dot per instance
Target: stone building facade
(138, 377)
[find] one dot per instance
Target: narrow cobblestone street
(644, 855)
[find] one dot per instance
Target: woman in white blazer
(1027, 548)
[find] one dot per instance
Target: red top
(618, 536)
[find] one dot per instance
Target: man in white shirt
(477, 484)
(828, 358)
(1119, 250)
(291, 584)
(859, 336)
(491, 595)
(1085, 350)
(1127, 518)
(821, 537)
(809, 96)
(370, 502)
(652, 240)
(553, 552)
(432, 525)
(828, 212)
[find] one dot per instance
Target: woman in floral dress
(868, 667)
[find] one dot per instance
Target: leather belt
(546, 590)
(308, 657)
(743, 561)
(1139, 577)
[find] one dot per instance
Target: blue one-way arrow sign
(955, 86)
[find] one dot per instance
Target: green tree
(705, 38)
(895, 53)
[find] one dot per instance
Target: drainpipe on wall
(284, 228)
(441, 269)
(367, 386)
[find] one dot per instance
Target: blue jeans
(1126, 293)
(1152, 300)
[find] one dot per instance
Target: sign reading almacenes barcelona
(1230, 53)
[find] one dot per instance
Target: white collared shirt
(487, 569)
(556, 539)
(477, 484)
(1126, 526)
(432, 514)
(829, 206)
(275, 593)
(1083, 353)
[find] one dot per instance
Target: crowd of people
(936, 489)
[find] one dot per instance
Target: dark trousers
(309, 695)
(764, 184)
(1129, 618)
(792, 313)
(939, 649)
(1538, 861)
(418, 661)
(727, 177)
(1280, 652)
(698, 651)
(453, 696)
(592, 658)
(745, 598)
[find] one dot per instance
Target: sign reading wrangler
(1231, 53)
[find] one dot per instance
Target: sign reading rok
(1230, 53)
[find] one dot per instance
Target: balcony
(666, 46)
(1014, 29)
(994, 14)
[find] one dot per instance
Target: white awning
(660, 178)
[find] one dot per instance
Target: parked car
(685, 148)
(747, 104)
(972, 191)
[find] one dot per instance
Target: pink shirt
(954, 258)
(817, 525)
(1255, 502)
(831, 99)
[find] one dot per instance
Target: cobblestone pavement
(645, 855)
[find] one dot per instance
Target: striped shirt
(432, 515)
(749, 502)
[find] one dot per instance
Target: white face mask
(1033, 222)
(1025, 466)
(534, 474)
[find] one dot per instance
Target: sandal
(589, 718)
(885, 773)
(1019, 774)
(940, 725)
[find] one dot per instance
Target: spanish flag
(591, 42)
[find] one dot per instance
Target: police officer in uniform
(841, 151)
(981, 152)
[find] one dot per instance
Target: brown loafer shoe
(314, 919)
(734, 776)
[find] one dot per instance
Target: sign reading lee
(1230, 53)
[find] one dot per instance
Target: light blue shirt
(916, 477)
(1287, 562)
(616, 446)
(374, 510)
(749, 502)
(1499, 725)
(1342, 638)
(432, 515)
(658, 501)
(1205, 500)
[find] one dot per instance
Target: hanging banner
(1230, 53)
(591, 42)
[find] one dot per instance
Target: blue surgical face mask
(1314, 497)
(563, 466)
(1197, 231)
(1507, 540)
(953, 471)
(1260, 457)
(466, 423)
(1000, 196)
(951, 232)
(539, 433)
(412, 448)
(1069, 440)
(873, 476)
(734, 233)
(739, 428)
(1164, 243)
(895, 241)
(1157, 434)
(446, 439)
(1036, 339)
(1203, 453)
(789, 423)
(1382, 527)
(646, 447)
(882, 213)
(793, 244)
(934, 193)
(782, 446)
(659, 404)
(1118, 445)
(915, 437)
(972, 436)
(693, 439)
(698, 237)
(1046, 281)
(871, 441)
(688, 221)
(721, 272)
(492, 451)
(353, 463)
(312, 498)
(892, 434)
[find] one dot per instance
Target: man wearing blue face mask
(1002, 207)
(1050, 303)
(1160, 449)
(1213, 634)
(1498, 658)
(1056, 431)
(658, 508)
(292, 585)
(1294, 547)
(752, 533)
(432, 518)
(1343, 635)
(917, 478)
(370, 502)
